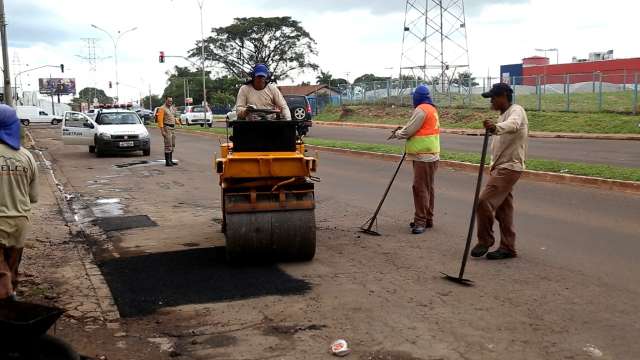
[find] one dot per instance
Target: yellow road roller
(268, 200)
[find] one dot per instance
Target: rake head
(458, 280)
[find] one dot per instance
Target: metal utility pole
(204, 83)
(8, 97)
(551, 50)
(434, 38)
(115, 51)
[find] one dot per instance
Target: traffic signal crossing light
(110, 86)
(161, 57)
(62, 68)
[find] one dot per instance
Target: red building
(615, 71)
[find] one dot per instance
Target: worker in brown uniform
(508, 151)
(167, 120)
(18, 190)
(423, 147)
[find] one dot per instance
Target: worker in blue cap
(18, 190)
(423, 147)
(261, 93)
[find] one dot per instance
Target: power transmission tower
(92, 59)
(434, 41)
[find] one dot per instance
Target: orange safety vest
(427, 139)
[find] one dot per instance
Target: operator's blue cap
(422, 95)
(261, 70)
(9, 127)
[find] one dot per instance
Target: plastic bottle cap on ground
(340, 348)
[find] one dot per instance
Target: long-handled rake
(460, 278)
(368, 225)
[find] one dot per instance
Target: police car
(110, 131)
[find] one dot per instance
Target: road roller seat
(264, 136)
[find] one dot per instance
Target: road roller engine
(268, 201)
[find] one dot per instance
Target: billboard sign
(57, 86)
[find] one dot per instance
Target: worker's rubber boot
(167, 159)
(171, 159)
(479, 250)
(501, 254)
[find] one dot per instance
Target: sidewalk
(478, 132)
(57, 270)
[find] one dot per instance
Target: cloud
(472, 7)
(30, 22)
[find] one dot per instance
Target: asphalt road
(573, 289)
(611, 152)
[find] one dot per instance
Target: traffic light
(161, 57)
(110, 86)
(62, 68)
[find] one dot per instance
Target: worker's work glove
(490, 125)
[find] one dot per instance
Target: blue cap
(9, 127)
(422, 95)
(261, 70)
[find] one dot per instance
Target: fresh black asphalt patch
(118, 223)
(143, 284)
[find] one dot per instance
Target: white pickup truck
(34, 114)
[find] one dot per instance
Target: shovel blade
(458, 280)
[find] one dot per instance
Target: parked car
(193, 115)
(113, 130)
(301, 112)
(145, 115)
(34, 114)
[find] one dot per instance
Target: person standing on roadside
(166, 119)
(423, 148)
(18, 190)
(508, 154)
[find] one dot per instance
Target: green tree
(156, 101)
(88, 94)
(325, 78)
(279, 42)
(183, 81)
(465, 79)
(369, 78)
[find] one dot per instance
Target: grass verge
(553, 166)
(471, 118)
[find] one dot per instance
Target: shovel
(460, 278)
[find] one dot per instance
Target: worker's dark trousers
(424, 174)
(496, 203)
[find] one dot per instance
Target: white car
(34, 114)
(193, 115)
(112, 130)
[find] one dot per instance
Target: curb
(478, 132)
(110, 312)
(539, 176)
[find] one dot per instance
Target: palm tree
(324, 78)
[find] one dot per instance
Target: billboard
(57, 86)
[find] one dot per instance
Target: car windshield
(295, 101)
(197, 109)
(118, 119)
(181, 109)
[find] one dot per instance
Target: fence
(590, 92)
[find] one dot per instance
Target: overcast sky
(354, 36)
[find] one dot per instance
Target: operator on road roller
(260, 93)
(268, 199)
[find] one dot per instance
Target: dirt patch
(391, 355)
(280, 329)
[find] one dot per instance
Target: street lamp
(204, 84)
(115, 41)
(551, 50)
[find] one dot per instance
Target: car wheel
(210, 124)
(201, 125)
(146, 152)
(299, 114)
(25, 122)
(92, 149)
